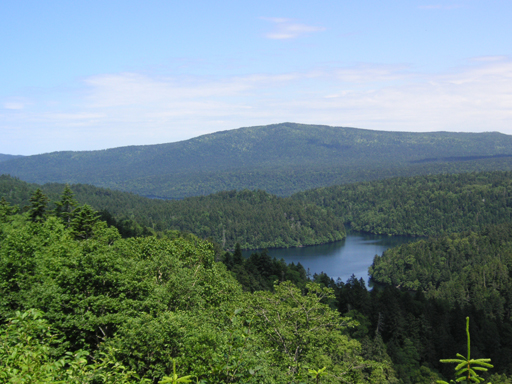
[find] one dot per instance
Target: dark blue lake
(343, 258)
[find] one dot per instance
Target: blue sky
(84, 75)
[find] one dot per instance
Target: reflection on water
(343, 258)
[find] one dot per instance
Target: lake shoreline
(339, 259)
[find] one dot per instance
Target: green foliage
(461, 268)
(25, 353)
(466, 367)
(420, 206)
(15, 191)
(300, 333)
(415, 332)
(260, 272)
(174, 378)
(254, 219)
(38, 205)
(6, 210)
(144, 307)
(89, 287)
(317, 374)
(66, 205)
(82, 221)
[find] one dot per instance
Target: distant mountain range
(281, 159)
(4, 157)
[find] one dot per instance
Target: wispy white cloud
(131, 108)
(371, 73)
(488, 58)
(14, 105)
(81, 117)
(439, 6)
(289, 29)
(127, 89)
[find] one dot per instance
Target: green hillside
(422, 205)
(280, 159)
(254, 219)
(110, 310)
(468, 267)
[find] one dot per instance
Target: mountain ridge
(6, 157)
(264, 157)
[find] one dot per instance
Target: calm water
(340, 259)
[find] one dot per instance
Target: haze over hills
(281, 159)
(4, 157)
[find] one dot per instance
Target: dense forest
(416, 332)
(102, 286)
(422, 205)
(281, 159)
(253, 219)
(417, 206)
(415, 328)
(82, 305)
(469, 267)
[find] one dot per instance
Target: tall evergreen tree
(237, 255)
(66, 205)
(6, 209)
(38, 205)
(83, 222)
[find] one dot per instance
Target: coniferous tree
(38, 205)
(6, 209)
(83, 222)
(466, 367)
(237, 255)
(66, 205)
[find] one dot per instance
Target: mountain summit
(280, 158)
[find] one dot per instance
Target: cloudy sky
(83, 75)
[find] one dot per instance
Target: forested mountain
(280, 159)
(4, 157)
(422, 205)
(254, 219)
(418, 206)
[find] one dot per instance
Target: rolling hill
(281, 159)
(4, 157)
(254, 219)
(431, 205)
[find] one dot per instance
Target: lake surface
(340, 259)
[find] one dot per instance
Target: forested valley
(93, 293)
